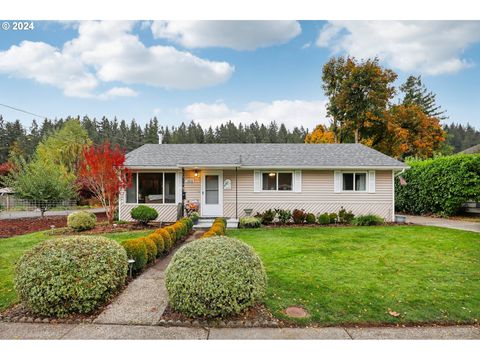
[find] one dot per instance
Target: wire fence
(11, 203)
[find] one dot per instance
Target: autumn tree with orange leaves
(102, 171)
(320, 135)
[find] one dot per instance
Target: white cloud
(238, 35)
(118, 92)
(290, 112)
(107, 51)
(48, 65)
(431, 47)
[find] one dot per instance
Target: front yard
(356, 275)
(11, 249)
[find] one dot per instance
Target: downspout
(236, 192)
(183, 192)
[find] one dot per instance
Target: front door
(212, 193)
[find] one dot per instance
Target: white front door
(212, 193)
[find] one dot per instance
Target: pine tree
(416, 93)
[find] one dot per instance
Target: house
(234, 180)
(472, 150)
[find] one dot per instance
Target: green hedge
(439, 185)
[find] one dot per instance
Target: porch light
(195, 173)
(271, 174)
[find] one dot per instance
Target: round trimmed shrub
(137, 250)
(159, 243)
(151, 249)
(143, 214)
(81, 220)
(324, 219)
(368, 220)
(167, 239)
(172, 233)
(217, 276)
(310, 218)
(70, 275)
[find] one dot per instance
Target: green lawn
(354, 275)
(12, 248)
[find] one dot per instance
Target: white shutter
(371, 181)
(178, 188)
(257, 181)
(297, 181)
(337, 181)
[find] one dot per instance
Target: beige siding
(317, 195)
(192, 185)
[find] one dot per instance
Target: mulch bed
(257, 316)
(291, 225)
(13, 227)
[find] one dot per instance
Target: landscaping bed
(14, 227)
(381, 275)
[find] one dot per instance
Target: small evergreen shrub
(218, 228)
(171, 231)
(299, 216)
(333, 218)
(137, 250)
(344, 216)
(368, 220)
(267, 216)
(284, 216)
(143, 214)
(310, 218)
(151, 249)
(70, 275)
(81, 220)
(215, 277)
(167, 239)
(159, 242)
(250, 222)
(324, 219)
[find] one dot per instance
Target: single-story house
(233, 180)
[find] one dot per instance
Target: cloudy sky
(213, 71)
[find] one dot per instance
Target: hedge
(439, 186)
(218, 228)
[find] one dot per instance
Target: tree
(358, 93)
(320, 135)
(415, 93)
(65, 146)
(102, 171)
(408, 131)
(41, 183)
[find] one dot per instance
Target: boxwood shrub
(81, 220)
(151, 249)
(70, 275)
(215, 277)
(310, 218)
(439, 185)
(167, 239)
(324, 219)
(137, 250)
(159, 242)
(143, 214)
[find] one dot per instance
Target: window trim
(163, 188)
(276, 173)
(354, 181)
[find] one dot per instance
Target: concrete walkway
(452, 224)
(35, 214)
(12, 331)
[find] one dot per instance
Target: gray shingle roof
(260, 155)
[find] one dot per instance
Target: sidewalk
(452, 224)
(14, 331)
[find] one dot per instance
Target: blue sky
(216, 71)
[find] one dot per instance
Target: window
(354, 182)
(281, 181)
(152, 188)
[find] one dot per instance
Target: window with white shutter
(297, 183)
(371, 181)
(337, 181)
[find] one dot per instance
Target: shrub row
(297, 216)
(440, 185)
(218, 228)
(146, 249)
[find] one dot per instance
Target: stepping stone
(296, 312)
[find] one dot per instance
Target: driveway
(446, 223)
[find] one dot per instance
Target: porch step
(206, 223)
